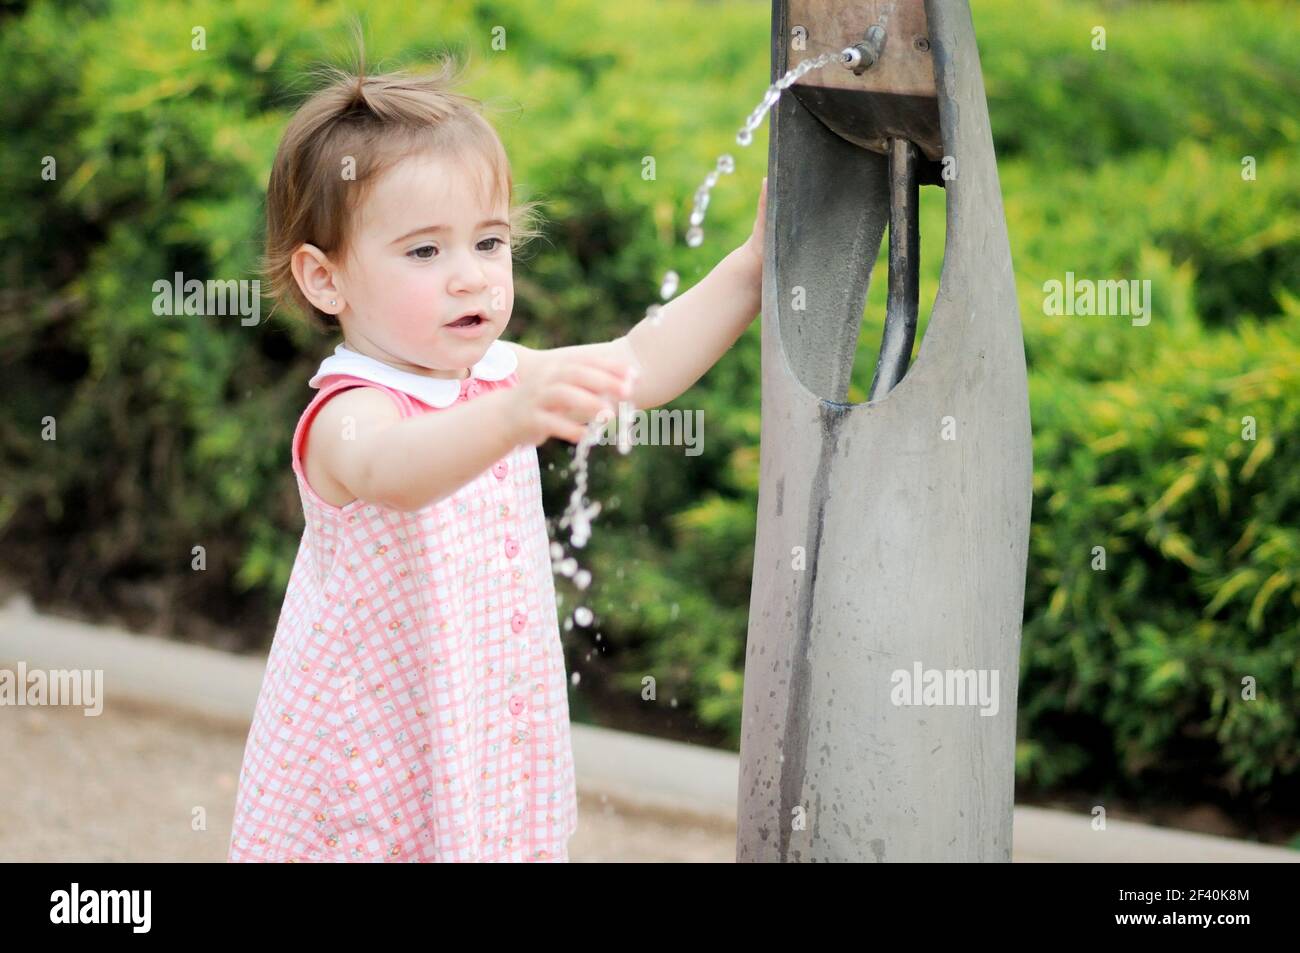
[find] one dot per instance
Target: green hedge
(1196, 518)
(173, 432)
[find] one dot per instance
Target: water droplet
(669, 286)
(694, 236)
(582, 615)
(697, 217)
(726, 164)
(575, 678)
(568, 566)
(744, 137)
(654, 313)
(557, 551)
(582, 579)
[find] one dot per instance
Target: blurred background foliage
(173, 432)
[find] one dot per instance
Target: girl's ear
(315, 274)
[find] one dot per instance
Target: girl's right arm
(362, 442)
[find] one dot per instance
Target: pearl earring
(333, 302)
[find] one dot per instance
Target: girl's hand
(564, 393)
(755, 242)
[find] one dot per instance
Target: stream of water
(580, 512)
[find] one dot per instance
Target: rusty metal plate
(895, 98)
(905, 67)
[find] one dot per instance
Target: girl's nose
(469, 273)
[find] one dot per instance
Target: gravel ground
(139, 783)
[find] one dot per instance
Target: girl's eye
(419, 252)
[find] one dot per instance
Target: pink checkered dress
(414, 706)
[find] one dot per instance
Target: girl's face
(424, 252)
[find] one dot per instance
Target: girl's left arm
(692, 331)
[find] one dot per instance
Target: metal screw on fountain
(862, 56)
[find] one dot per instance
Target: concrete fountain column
(884, 629)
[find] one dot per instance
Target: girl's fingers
(601, 381)
(576, 404)
(564, 428)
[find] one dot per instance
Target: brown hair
(345, 137)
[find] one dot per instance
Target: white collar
(498, 363)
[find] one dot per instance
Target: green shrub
(1164, 555)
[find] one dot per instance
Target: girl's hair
(346, 136)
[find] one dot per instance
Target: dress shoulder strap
(406, 406)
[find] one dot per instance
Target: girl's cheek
(412, 318)
(414, 305)
(502, 293)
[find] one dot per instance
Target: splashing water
(580, 511)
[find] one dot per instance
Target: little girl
(414, 705)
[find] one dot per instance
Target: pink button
(516, 704)
(512, 548)
(518, 621)
(500, 469)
